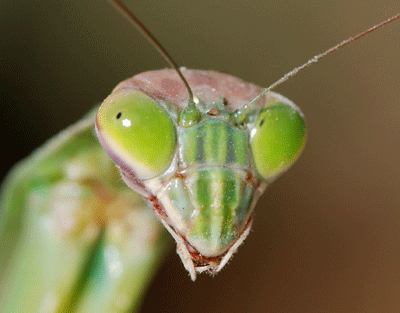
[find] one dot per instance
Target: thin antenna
(315, 59)
(146, 33)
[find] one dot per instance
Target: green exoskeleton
(200, 161)
(202, 168)
(72, 240)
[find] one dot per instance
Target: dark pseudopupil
(119, 115)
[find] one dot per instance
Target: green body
(73, 237)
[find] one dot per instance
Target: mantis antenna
(316, 58)
(146, 33)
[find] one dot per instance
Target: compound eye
(137, 133)
(278, 138)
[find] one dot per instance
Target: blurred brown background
(326, 235)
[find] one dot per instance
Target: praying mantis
(280, 72)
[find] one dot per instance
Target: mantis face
(202, 172)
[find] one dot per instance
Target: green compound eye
(137, 133)
(277, 139)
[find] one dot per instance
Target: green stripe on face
(245, 203)
(208, 142)
(232, 183)
(241, 147)
(201, 226)
(216, 206)
(220, 136)
(190, 141)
